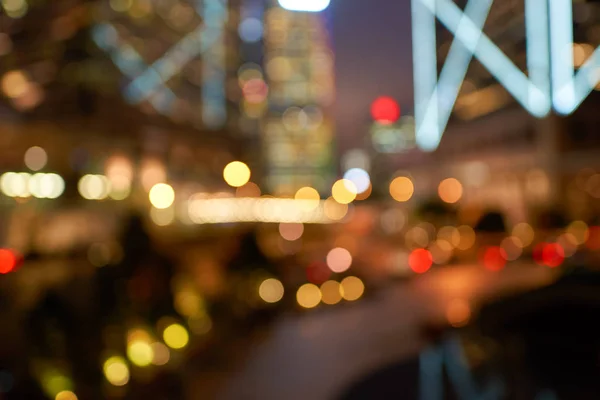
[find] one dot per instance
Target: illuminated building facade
(505, 157)
(175, 56)
(297, 126)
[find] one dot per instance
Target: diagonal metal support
(435, 99)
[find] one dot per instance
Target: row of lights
(494, 258)
(310, 295)
(142, 351)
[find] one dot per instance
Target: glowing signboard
(435, 96)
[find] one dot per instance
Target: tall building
(297, 125)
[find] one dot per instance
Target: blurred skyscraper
(297, 126)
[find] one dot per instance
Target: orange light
(450, 190)
(420, 261)
(402, 189)
(458, 313)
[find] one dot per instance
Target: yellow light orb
(308, 295)
(94, 187)
(236, 174)
(344, 191)
(271, 290)
(116, 371)
(140, 353)
(308, 198)
(352, 288)
(402, 189)
(14, 83)
(331, 292)
(161, 196)
(176, 336)
(450, 190)
(65, 395)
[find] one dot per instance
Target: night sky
(372, 44)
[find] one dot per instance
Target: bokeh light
(352, 288)
(580, 231)
(441, 251)
(513, 248)
(308, 295)
(15, 84)
(568, 242)
(116, 371)
(339, 260)
(161, 196)
(162, 217)
(344, 191)
(8, 261)
(450, 190)
(251, 30)
(467, 237)
(305, 5)
(160, 353)
(494, 258)
(318, 272)
(553, 255)
(46, 186)
(236, 174)
(334, 210)
(249, 190)
(420, 260)
(360, 178)
(417, 237)
(65, 395)
(525, 233)
(392, 220)
(176, 336)
(15, 184)
(402, 189)
(94, 187)
(450, 234)
(385, 110)
(291, 231)
(35, 158)
(458, 313)
(140, 353)
(308, 198)
(271, 290)
(331, 292)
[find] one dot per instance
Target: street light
(305, 5)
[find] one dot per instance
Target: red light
(318, 273)
(494, 258)
(538, 253)
(553, 255)
(593, 242)
(8, 261)
(420, 261)
(385, 110)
